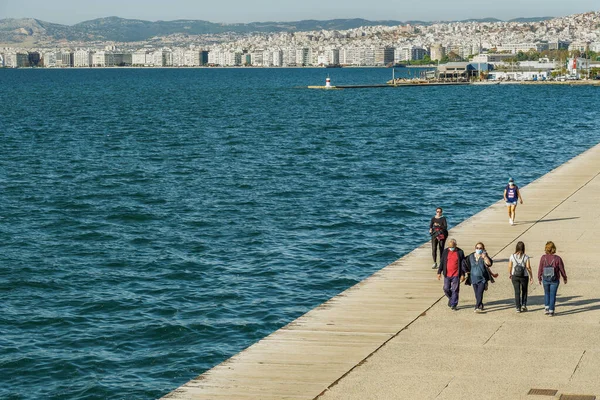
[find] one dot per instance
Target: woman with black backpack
(519, 272)
(549, 272)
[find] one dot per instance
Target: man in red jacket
(451, 265)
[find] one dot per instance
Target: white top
(519, 260)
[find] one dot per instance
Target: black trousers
(520, 284)
(435, 244)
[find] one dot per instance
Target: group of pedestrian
(475, 268)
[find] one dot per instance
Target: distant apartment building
(410, 53)
(333, 56)
(140, 58)
(579, 46)
(277, 58)
(514, 48)
(49, 59)
(383, 55)
(103, 59)
(82, 58)
(10, 59)
(64, 59)
(558, 45)
(23, 60)
(122, 59)
(303, 56)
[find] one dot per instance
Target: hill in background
(28, 30)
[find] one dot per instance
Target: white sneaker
(510, 221)
(434, 266)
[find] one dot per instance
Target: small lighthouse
(328, 83)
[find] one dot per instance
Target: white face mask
(452, 248)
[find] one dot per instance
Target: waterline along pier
(392, 335)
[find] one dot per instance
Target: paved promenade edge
(365, 333)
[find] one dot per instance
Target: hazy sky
(71, 11)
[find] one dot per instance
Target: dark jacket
(486, 272)
(444, 260)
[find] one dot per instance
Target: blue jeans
(550, 289)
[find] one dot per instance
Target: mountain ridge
(117, 29)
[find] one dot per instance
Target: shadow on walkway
(538, 303)
(544, 220)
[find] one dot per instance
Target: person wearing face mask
(438, 229)
(511, 197)
(477, 264)
(452, 266)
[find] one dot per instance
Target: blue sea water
(155, 222)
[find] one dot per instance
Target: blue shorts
(511, 203)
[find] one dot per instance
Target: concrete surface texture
(392, 336)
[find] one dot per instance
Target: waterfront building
(384, 55)
(49, 59)
(191, 58)
(140, 58)
(103, 59)
(333, 56)
(460, 71)
(277, 58)
(34, 58)
(122, 59)
(82, 58)
(64, 58)
(303, 56)
(2, 64)
(256, 58)
(10, 59)
(410, 53)
(179, 58)
(23, 60)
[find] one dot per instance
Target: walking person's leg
(455, 288)
(546, 296)
(478, 288)
(514, 212)
(553, 290)
(511, 211)
(517, 286)
(447, 290)
(524, 288)
(441, 244)
(434, 247)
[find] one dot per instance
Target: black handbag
(468, 280)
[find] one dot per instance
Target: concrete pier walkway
(392, 336)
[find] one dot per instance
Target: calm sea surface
(155, 222)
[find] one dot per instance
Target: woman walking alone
(512, 195)
(438, 229)
(519, 272)
(549, 272)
